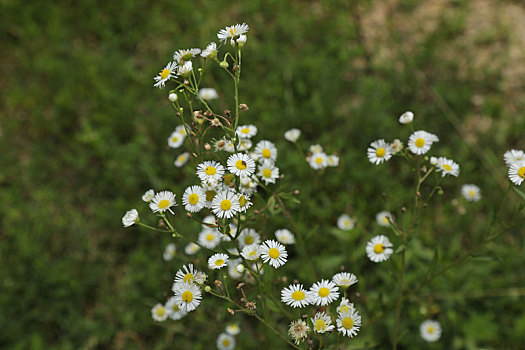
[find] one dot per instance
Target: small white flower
(284, 236)
(173, 97)
(163, 201)
(209, 238)
(241, 164)
(396, 146)
(194, 199)
(344, 279)
(251, 252)
(232, 32)
(216, 261)
(433, 160)
(180, 56)
(210, 171)
(159, 313)
(298, 331)
(292, 135)
(175, 140)
(186, 69)
(268, 172)
(241, 41)
(517, 172)
(233, 329)
(420, 142)
(295, 296)
(349, 323)
(318, 161)
(322, 322)
(244, 145)
(345, 222)
(210, 51)
(379, 152)
(345, 306)
(148, 196)
(249, 236)
(166, 74)
(332, 160)
(246, 131)
(274, 253)
(447, 167)
(169, 252)
(471, 192)
(513, 156)
(174, 311)
(316, 149)
(225, 204)
(383, 218)
(379, 249)
(130, 218)
(406, 117)
(191, 248)
(208, 94)
(430, 330)
(181, 159)
(244, 202)
(225, 342)
(265, 150)
(187, 296)
(323, 293)
(185, 275)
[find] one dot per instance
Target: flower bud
(240, 268)
(224, 64)
(173, 97)
(207, 289)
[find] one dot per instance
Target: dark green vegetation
(83, 135)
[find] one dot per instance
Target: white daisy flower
(251, 252)
(249, 236)
(273, 253)
(166, 74)
(174, 311)
(383, 218)
(295, 296)
(447, 167)
(175, 140)
(181, 130)
(430, 330)
(471, 192)
(210, 51)
(345, 222)
(186, 69)
(379, 152)
(169, 252)
(187, 296)
(241, 164)
(208, 94)
(232, 232)
(244, 202)
(517, 172)
(232, 32)
(396, 146)
(225, 204)
(233, 329)
(316, 149)
(268, 172)
(298, 331)
(345, 306)
(225, 342)
(209, 238)
(349, 323)
(513, 156)
(420, 142)
(181, 56)
(130, 218)
(241, 41)
(406, 117)
(194, 199)
(284, 236)
(322, 323)
(292, 135)
(318, 161)
(323, 293)
(163, 201)
(232, 269)
(249, 188)
(185, 275)
(246, 131)
(210, 170)
(344, 279)
(148, 196)
(379, 249)
(181, 159)
(244, 145)
(265, 150)
(220, 144)
(159, 313)
(229, 147)
(332, 160)
(191, 248)
(216, 261)
(200, 278)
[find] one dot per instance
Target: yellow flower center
(163, 204)
(252, 254)
(343, 308)
(160, 311)
(380, 152)
(193, 198)
(447, 167)
(323, 292)
(226, 204)
(347, 323)
(175, 307)
(267, 173)
(174, 139)
(273, 253)
(378, 248)
(318, 160)
(344, 283)
(181, 158)
(245, 130)
(430, 330)
(165, 73)
(187, 296)
(228, 178)
(188, 277)
(210, 170)
(240, 164)
(320, 325)
(266, 153)
(420, 142)
(210, 237)
(471, 193)
(242, 200)
(298, 295)
(232, 31)
(219, 262)
(210, 195)
(521, 172)
(248, 240)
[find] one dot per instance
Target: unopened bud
(240, 268)
(207, 289)
(243, 107)
(231, 311)
(224, 64)
(188, 215)
(173, 97)
(207, 147)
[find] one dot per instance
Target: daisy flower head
(292, 135)
(225, 342)
(323, 293)
(181, 129)
(396, 146)
(420, 142)
(284, 236)
(241, 164)
(187, 296)
(163, 201)
(517, 172)
(316, 149)
(233, 329)
(447, 167)
(191, 248)
(148, 196)
(225, 204)
(471, 192)
(181, 159)
(513, 156)
(430, 330)
(210, 170)
(318, 161)
(181, 56)
(349, 323)
(216, 261)
(194, 199)
(332, 160)
(240, 41)
(345, 306)
(383, 218)
(268, 172)
(130, 218)
(249, 236)
(169, 252)
(379, 249)
(251, 252)
(244, 202)
(159, 313)
(247, 131)
(322, 323)
(295, 296)
(220, 144)
(265, 150)
(185, 275)
(244, 145)
(274, 253)
(174, 311)
(175, 140)
(185, 69)
(344, 279)
(210, 51)
(345, 222)
(209, 238)
(229, 146)
(298, 331)
(166, 74)
(433, 160)
(379, 152)
(406, 117)
(232, 32)
(208, 94)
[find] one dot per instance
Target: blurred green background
(83, 135)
